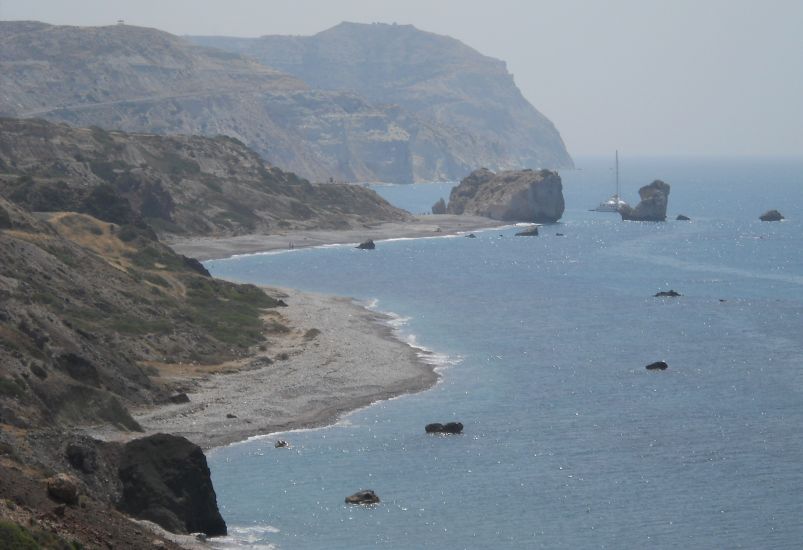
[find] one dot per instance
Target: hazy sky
(643, 76)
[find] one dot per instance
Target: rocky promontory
(652, 207)
(179, 185)
(514, 195)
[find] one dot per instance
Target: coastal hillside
(180, 185)
(91, 310)
(434, 77)
(97, 318)
(143, 80)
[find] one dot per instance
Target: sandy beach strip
(337, 357)
(212, 248)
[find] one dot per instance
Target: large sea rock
(165, 479)
(652, 208)
(514, 195)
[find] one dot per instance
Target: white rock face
(515, 195)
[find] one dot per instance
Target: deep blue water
(569, 441)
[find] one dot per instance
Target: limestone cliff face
(520, 196)
(436, 78)
(144, 80)
(181, 185)
(652, 207)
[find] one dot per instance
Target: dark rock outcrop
(471, 236)
(531, 232)
(165, 479)
(367, 245)
(448, 428)
(82, 457)
(771, 216)
(652, 207)
(682, 218)
(667, 294)
(179, 398)
(196, 266)
(439, 207)
(63, 488)
(363, 497)
(281, 444)
(521, 196)
(658, 365)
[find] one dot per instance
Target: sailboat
(615, 202)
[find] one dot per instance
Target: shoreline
(441, 225)
(339, 356)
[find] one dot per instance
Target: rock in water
(530, 232)
(281, 444)
(367, 245)
(667, 294)
(165, 479)
(516, 195)
(471, 236)
(439, 207)
(682, 218)
(448, 428)
(771, 216)
(658, 365)
(652, 208)
(363, 497)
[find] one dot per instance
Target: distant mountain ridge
(432, 76)
(144, 80)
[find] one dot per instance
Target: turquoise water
(569, 441)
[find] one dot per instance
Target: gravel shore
(212, 248)
(337, 356)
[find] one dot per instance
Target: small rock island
(652, 208)
(513, 195)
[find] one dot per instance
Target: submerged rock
(658, 365)
(448, 428)
(682, 218)
(281, 444)
(363, 497)
(652, 208)
(165, 479)
(529, 232)
(471, 236)
(515, 195)
(367, 245)
(771, 216)
(667, 294)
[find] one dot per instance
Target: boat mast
(617, 177)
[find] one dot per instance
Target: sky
(646, 77)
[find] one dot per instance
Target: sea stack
(514, 195)
(652, 208)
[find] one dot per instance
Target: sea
(542, 343)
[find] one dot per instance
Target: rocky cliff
(652, 207)
(144, 80)
(181, 185)
(434, 77)
(520, 196)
